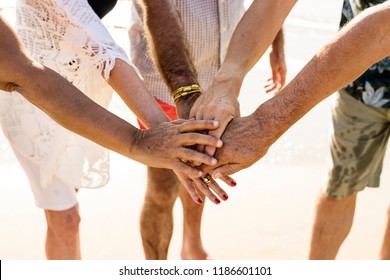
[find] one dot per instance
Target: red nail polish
(200, 201)
(225, 197)
(217, 201)
(233, 183)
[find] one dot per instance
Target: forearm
(125, 81)
(168, 43)
(278, 43)
(62, 101)
(252, 37)
(161, 147)
(169, 50)
(69, 107)
(364, 41)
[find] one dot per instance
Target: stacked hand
(240, 150)
(220, 103)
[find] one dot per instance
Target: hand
(193, 185)
(278, 66)
(166, 145)
(219, 104)
(184, 104)
(183, 107)
(245, 142)
(279, 69)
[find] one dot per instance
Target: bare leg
(156, 216)
(192, 248)
(385, 250)
(332, 223)
(63, 239)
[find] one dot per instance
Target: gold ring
(207, 179)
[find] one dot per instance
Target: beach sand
(269, 214)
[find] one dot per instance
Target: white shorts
(57, 195)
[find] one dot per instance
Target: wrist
(137, 147)
(180, 80)
(186, 91)
(230, 80)
(184, 105)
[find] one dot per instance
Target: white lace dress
(68, 37)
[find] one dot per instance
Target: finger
(179, 121)
(189, 139)
(275, 75)
(217, 189)
(283, 77)
(195, 125)
(192, 172)
(195, 156)
(270, 88)
(270, 85)
(200, 149)
(278, 88)
(225, 170)
(188, 185)
(229, 181)
(210, 150)
(203, 187)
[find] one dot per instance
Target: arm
(171, 55)
(252, 37)
(162, 146)
(94, 44)
(169, 50)
(364, 41)
(278, 65)
(125, 81)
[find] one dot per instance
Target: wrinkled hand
(217, 104)
(166, 145)
(279, 70)
(245, 142)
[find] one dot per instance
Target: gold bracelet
(184, 91)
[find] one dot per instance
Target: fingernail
(200, 173)
(213, 161)
(234, 183)
(217, 201)
(219, 144)
(217, 175)
(215, 123)
(225, 197)
(200, 201)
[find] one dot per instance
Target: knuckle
(10, 87)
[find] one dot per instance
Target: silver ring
(206, 179)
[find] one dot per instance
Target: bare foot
(194, 254)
